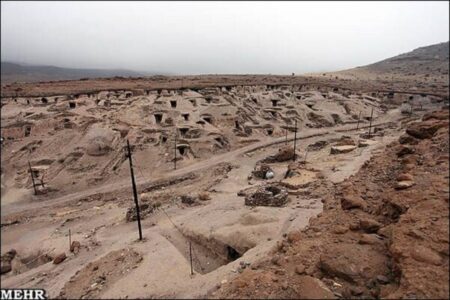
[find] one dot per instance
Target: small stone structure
(261, 171)
(269, 195)
(144, 210)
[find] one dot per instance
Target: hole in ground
(207, 254)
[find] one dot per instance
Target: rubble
(269, 195)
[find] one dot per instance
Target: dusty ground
(74, 138)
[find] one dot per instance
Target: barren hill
(12, 72)
(432, 59)
(423, 66)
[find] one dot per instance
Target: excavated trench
(208, 253)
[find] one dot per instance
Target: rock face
(342, 149)
(425, 130)
(6, 261)
(270, 195)
(144, 209)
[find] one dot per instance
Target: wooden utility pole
(32, 178)
(359, 117)
(286, 130)
(175, 151)
(134, 191)
(190, 256)
(370, 124)
(295, 138)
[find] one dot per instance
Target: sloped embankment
(383, 233)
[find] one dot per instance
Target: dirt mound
(284, 154)
(374, 247)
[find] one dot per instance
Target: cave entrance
(27, 130)
(128, 95)
(158, 118)
(44, 100)
(185, 116)
(66, 123)
(193, 102)
(273, 113)
(236, 124)
(72, 105)
(207, 119)
(232, 254)
(182, 149)
(270, 131)
(183, 131)
(163, 139)
(173, 103)
(274, 102)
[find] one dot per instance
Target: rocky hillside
(12, 72)
(432, 59)
(384, 232)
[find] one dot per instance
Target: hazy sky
(218, 37)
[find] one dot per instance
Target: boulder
(369, 225)
(59, 258)
(405, 177)
(313, 288)
(427, 255)
(401, 185)
(204, 196)
(407, 139)
(403, 150)
(350, 201)
(368, 239)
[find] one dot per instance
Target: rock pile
(261, 171)
(270, 195)
(144, 209)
